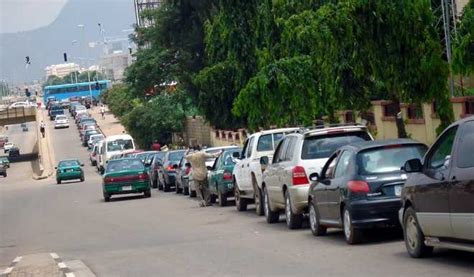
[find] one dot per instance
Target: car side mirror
(413, 166)
(209, 167)
(264, 160)
(314, 177)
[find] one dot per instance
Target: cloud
(25, 15)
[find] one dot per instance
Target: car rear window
(176, 156)
(68, 163)
(124, 164)
(321, 147)
(389, 159)
(266, 143)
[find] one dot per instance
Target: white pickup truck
(248, 171)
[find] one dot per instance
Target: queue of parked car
(337, 176)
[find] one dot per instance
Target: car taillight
(299, 176)
(358, 186)
(227, 176)
(108, 180)
(142, 176)
(188, 169)
(170, 168)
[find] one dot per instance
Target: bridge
(17, 115)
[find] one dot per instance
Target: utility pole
(449, 16)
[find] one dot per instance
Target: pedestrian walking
(42, 128)
(102, 111)
(198, 164)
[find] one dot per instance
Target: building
(61, 70)
(140, 6)
(460, 4)
(114, 64)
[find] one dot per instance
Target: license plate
(126, 188)
(70, 170)
(398, 190)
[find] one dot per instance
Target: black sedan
(360, 187)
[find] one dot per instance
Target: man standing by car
(198, 165)
(42, 128)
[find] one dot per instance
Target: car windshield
(119, 144)
(124, 164)
(176, 156)
(321, 147)
(68, 163)
(214, 151)
(389, 159)
(60, 117)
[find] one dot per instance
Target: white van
(114, 145)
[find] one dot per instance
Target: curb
(62, 266)
(9, 269)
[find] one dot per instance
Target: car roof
(115, 137)
(328, 130)
(364, 145)
(274, 131)
(461, 121)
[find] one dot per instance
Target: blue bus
(60, 92)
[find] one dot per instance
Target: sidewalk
(34, 265)
(110, 125)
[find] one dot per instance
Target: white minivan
(114, 145)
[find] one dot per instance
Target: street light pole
(87, 58)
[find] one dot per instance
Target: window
(329, 172)
(388, 159)
(321, 147)
(249, 148)
(244, 151)
(465, 159)
(389, 110)
(442, 149)
(281, 151)
(290, 150)
(343, 164)
(469, 107)
(414, 111)
(119, 145)
(265, 143)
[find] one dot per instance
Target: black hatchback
(360, 187)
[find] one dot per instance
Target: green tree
(120, 99)
(463, 47)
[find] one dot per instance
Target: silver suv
(286, 180)
(248, 171)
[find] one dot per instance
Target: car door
(320, 191)
(333, 190)
(284, 171)
(273, 181)
(237, 172)
(213, 175)
(245, 178)
(461, 188)
(432, 196)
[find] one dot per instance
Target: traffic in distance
(332, 176)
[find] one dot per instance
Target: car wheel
(314, 224)
(212, 198)
(240, 203)
(5, 175)
(82, 179)
(147, 193)
(293, 221)
(414, 237)
(58, 181)
(351, 234)
(106, 197)
(270, 216)
(222, 198)
(258, 201)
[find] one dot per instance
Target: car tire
(147, 193)
(351, 234)
(106, 197)
(240, 203)
(222, 197)
(82, 179)
(293, 221)
(413, 235)
(314, 223)
(258, 200)
(58, 181)
(5, 175)
(270, 216)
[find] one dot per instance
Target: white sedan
(61, 121)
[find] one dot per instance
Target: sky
(25, 15)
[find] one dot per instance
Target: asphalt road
(168, 235)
